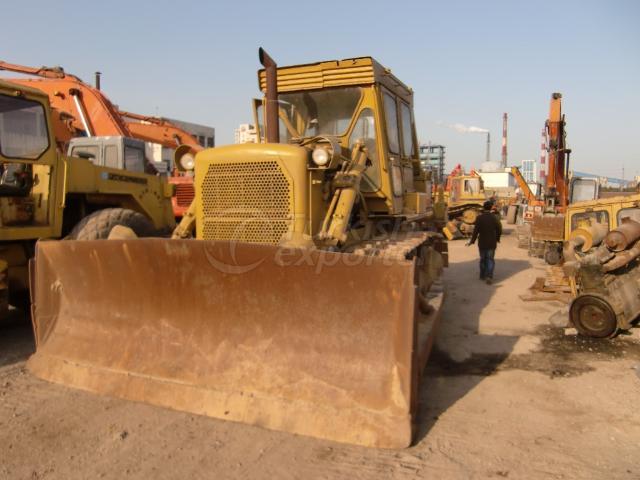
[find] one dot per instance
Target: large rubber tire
(98, 225)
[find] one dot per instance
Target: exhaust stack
(98, 80)
(271, 73)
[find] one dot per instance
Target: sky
(467, 61)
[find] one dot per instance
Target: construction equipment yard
(505, 395)
(309, 260)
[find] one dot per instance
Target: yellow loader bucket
(311, 342)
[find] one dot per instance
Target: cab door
(394, 152)
(407, 145)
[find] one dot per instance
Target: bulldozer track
(402, 247)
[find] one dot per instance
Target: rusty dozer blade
(311, 342)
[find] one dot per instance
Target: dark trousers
(487, 263)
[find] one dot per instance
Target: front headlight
(187, 162)
(320, 156)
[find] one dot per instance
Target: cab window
(365, 130)
(88, 152)
(472, 186)
(599, 216)
(391, 117)
(321, 112)
(408, 147)
(111, 156)
(23, 128)
(632, 213)
(133, 159)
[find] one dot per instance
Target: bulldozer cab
(27, 160)
(467, 188)
(343, 103)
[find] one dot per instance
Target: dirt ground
(505, 396)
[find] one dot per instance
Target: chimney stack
(98, 80)
(504, 141)
(543, 157)
(488, 159)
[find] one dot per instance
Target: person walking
(487, 231)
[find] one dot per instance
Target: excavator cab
(113, 152)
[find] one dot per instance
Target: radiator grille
(184, 194)
(246, 201)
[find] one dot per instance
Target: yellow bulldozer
(464, 195)
(308, 299)
(47, 195)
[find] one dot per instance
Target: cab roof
(336, 73)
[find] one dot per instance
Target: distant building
(498, 180)
(162, 157)
(432, 158)
(529, 170)
(206, 135)
(246, 133)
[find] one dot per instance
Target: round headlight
(187, 162)
(320, 156)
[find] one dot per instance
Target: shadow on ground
(467, 298)
(16, 338)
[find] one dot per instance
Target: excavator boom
(159, 130)
(557, 179)
(524, 186)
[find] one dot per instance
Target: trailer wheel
(593, 317)
(98, 225)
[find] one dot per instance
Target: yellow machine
(464, 195)
(601, 255)
(591, 215)
(309, 298)
(44, 194)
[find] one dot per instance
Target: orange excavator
(82, 110)
(546, 213)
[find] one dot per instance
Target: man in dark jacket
(487, 230)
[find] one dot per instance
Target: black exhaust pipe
(272, 119)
